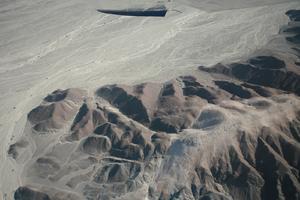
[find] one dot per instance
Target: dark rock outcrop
(57, 95)
(13, 150)
(25, 193)
(209, 119)
(261, 91)
(294, 15)
(136, 102)
(117, 172)
(161, 142)
(129, 151)
(271, 74)
(294, 39)
(56, 109)
(235, 90)
(86, 120)
(96, 145)
(163, 107)
(111, 131)
(267, 62)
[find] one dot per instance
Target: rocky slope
(233, 136)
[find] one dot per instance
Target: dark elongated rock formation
(157, 11)
(294, 15)
(262, 70)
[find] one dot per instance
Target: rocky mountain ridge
(235, 136)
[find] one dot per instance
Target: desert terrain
(202, 103)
